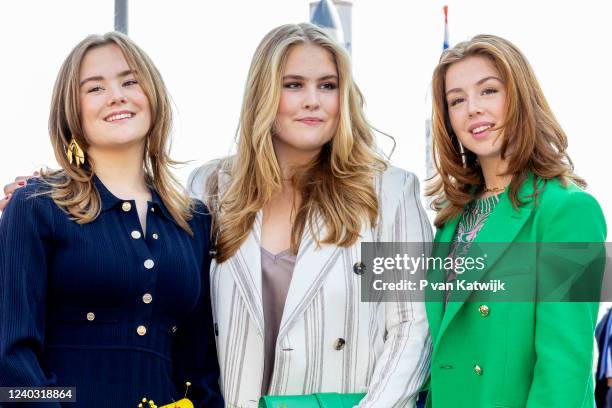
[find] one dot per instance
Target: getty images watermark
(573, 272)
(411, 265)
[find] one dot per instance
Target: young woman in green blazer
(504, 177)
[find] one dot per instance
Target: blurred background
(203, 50)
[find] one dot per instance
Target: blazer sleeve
(195, 351)
(403, 366)
(25, 228)
(563, 370)
(196, 182)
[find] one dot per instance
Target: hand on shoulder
(10, 188)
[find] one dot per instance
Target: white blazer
(387, 347)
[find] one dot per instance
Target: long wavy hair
(72, 187)
(538, 144)
(338, 185)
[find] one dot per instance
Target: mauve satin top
(276, 271)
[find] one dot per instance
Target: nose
(474, 107)
(311, 98)
(116, 97)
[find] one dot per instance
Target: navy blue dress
(104, 308)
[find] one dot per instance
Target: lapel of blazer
(312, 265)
(435, 299)
(501, 227)
(245, 266)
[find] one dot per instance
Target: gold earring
(75, 152)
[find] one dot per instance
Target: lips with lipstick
(310, 120)
(481, 129)
(119, 116)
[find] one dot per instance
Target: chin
(121, 142)
(305, 143)
(484, 150)
(487, 155)
(312, 146)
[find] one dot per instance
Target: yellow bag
(182, 403)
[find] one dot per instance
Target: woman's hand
(10, 188)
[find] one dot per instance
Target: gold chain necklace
(493, 189)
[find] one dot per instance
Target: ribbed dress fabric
(74, 300)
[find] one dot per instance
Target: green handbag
(322, 400)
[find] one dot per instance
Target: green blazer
(517, 354)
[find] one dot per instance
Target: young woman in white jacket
(291, 208)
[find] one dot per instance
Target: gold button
(147, 298)
(484, 310)
(136, 234)
(339, 343)
(91, 316)
(126, 206)
(149, 264)
(155, 236)
(477, 370)
(141, 330)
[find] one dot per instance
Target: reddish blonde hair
(538, 142)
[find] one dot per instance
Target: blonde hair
(72, 187)
(337, 185)
(538, 142)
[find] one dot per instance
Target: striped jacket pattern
(386, 345)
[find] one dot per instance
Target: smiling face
(115, 111)
(308, 111)
(476, 98)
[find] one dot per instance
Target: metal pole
(121, 16)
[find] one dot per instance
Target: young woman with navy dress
(105, 262)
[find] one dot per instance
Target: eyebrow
(301, 78)
(483, 80)
(100, 78)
